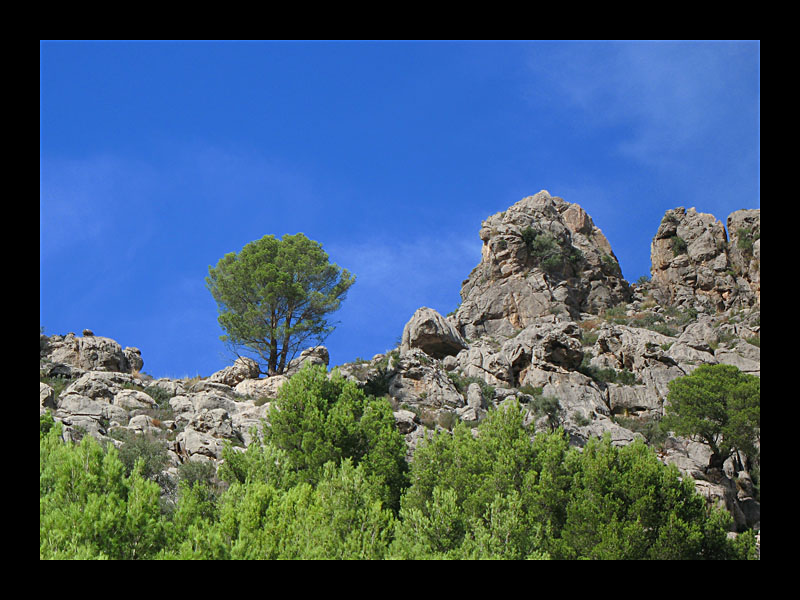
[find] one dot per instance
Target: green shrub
(745, 240)
(531, 391)
(447, 419)
(160, 395)
(317, 419)
(650, 428)
(547, 406)
(678, 245)
(462, 383)
(615, 313)
(547, 252)
(193, 471)
(150, 450)
(504, 495)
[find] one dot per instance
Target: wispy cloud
(412, 272)
(656, 99)
(84, 201)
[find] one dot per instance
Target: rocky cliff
(546, 318)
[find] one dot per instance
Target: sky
(158, 158)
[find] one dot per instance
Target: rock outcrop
(541, 256)
(546, 320)
(89, 352)
(695, 266)
(242, 368)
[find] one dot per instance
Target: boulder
(242, 368)
(261, 388)
(197, 445)
(318, 355)
(406, 421)
(432, 333)
(46, 398)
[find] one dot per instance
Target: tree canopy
(719, 405)
(503, 495)
(494, 493)
(275, 295)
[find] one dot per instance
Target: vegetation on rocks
(498, 494)
(558, 413)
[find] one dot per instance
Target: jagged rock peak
(541, 256)
(695, 265)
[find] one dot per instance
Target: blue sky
(157, 158)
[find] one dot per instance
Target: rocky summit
(545, 315)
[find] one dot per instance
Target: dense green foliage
(319, 419)
(327, 480)
(719, 405)
(502, 496)
(274, 296)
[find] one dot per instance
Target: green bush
(678, 245)
(317, 419)
(89, 508)
(547, 252)
(530, 390)
(547, 406)
(192, 472)
(145, 448)
(504, 495)
(745, 240)
(462, 384)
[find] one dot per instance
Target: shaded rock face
(543, 255)
(694, 264)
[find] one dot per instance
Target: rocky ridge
(546, 318)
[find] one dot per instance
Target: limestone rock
(547, 343)
(406, 420)
(197, 445)
(694, 265)
(418, 380)
(90, 352)
(540, 256)
(242, 368)
(133, 358)
(432, 333)
(482, 359)
(744, 229)
(46, 398)
(102, 385)
(318, 355)
(261, 388)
